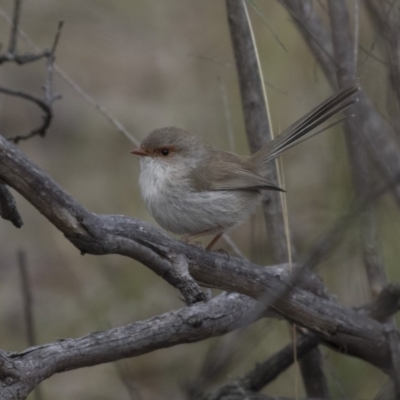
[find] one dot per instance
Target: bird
(193, 189)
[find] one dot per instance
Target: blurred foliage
(156, 63)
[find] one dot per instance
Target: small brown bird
(193, 189)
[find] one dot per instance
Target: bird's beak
(140, 152)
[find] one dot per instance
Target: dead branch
(8, 207)
(256, 116)
(111, 234)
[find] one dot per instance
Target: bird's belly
(194, 212)
(172, 202)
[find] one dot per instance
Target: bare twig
(183, 281)
(12, 45)
(102, 110)
(12, 55)
(47, 117)
(267, 371)
(27, 298)
(393, 339)
(28, 307)
(8, 207)
(386, 19)
(21, 59)
(373, 56)
(359, 158)
(312, 371)
(48, 85)
(387, 304)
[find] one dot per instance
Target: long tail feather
(292, 135)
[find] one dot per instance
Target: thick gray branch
(341, 327)
(21, 372)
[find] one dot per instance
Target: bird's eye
(164, 152)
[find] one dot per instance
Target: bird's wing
(226, 171)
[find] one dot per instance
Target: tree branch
(266, 371)
(359, 157)
(255, 109)
(47, 113)
(110, 234)
(8, 207)
(377, 134)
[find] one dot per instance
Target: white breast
(154, 178)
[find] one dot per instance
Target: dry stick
(259, 132)
(12, 45)
(111, 234)
(256, 117)
(21, 372)
(8, 207)
(75, 86)
(47, 117)
(359, 158)
(45, 104)
(341, 38)
(265, 372)
(222, 357)
(393, 336)
(27, 298)
(378, 135)
(28, 307)
(48, 86)
(12, 55)
(373, 56)
(257, 121)
(277, 222)
(375, 129)
(387, 24)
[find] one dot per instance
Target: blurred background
(153, 63)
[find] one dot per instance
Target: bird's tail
(296, 132)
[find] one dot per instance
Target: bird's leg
(189, 238)
(215, 240)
